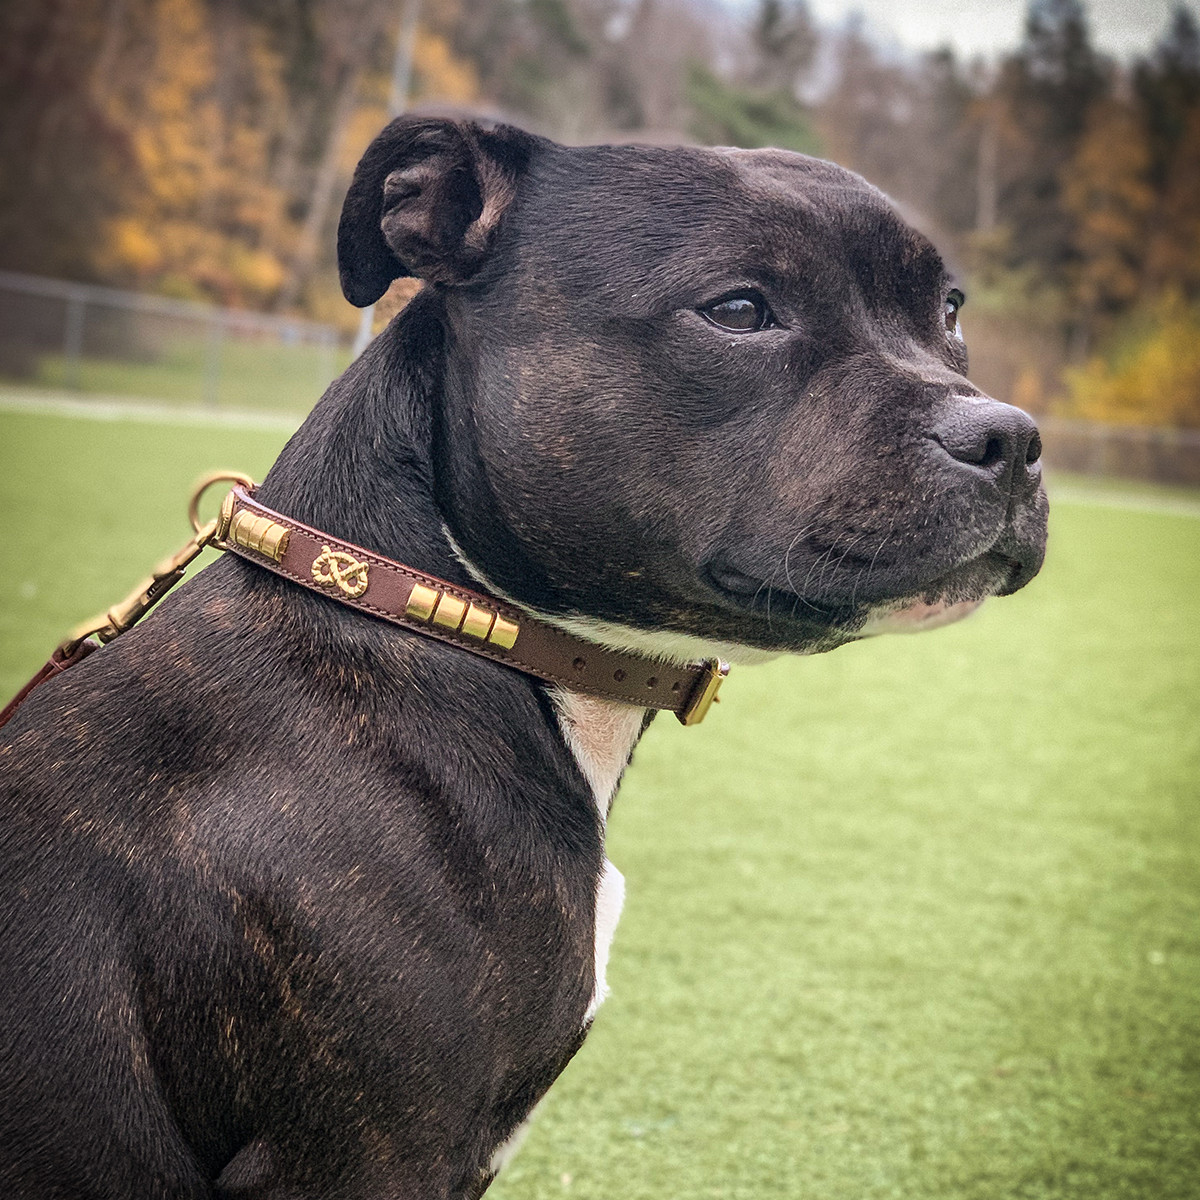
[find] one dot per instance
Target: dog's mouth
(756, 595)
(942, 601)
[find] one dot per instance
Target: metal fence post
(402, 66)
(362, 339)
(212, 359)
(73, 339)
(325, 363)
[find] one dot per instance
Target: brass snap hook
(165, 575)
(204, 483)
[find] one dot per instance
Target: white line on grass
(1163, 506)
(56, 404)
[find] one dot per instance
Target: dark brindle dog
(297, 904)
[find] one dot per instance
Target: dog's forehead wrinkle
(817, 235)
(618, 222)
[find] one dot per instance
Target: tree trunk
(308, 244)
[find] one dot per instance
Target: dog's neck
(360, 466)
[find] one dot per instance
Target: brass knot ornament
(337, 569)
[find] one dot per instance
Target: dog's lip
(747, 592)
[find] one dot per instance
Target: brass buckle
(161, 580)
(704, 694)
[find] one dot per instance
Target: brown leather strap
(57, 664)
(472, 621)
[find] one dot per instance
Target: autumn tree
(1106, 193)
(857, 117)
(909, 126)
(63, 157)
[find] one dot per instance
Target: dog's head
(696, 396)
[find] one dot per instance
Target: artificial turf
(916, 919)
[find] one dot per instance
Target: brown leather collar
(481, 624)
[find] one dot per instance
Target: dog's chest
(601, 734)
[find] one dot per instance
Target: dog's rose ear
(426, 200)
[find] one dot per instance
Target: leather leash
(404, 596)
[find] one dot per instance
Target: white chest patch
(601, 734)
(507, 1150)
(610, 899)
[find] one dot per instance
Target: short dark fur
(296, 904)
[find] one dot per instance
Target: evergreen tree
(1167, 85)
(1048, 89)
(784, 41)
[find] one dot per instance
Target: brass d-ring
(202, 486)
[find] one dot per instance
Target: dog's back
(283, 884)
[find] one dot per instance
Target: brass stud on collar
(449, 612)
(504, 633)
(478, 622)
(422, 601)
(260, 533)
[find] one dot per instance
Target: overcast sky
(1120, 27)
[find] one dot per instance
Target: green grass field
(258, 374)
(917, 919)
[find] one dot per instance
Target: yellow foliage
(1154, 379)
(439, 75)
(215, 159)
(130, 245)
(199, 206)
(175, 124)
(367, 121)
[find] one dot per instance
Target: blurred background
(196, 151)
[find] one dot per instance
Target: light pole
(397, 103)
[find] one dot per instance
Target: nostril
(1034, 450)
(993, 452)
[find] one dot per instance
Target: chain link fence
(92, 341)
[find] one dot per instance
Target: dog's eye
(954, 301)
(745, 312)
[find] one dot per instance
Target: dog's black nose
(985, 433)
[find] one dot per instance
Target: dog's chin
(954, 596)
(921, 606)
(916, 616)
